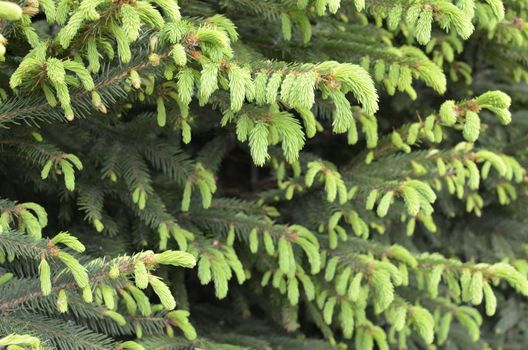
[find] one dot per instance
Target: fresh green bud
(62, 301)
(163, 292)
(141, 275)
(448, 113)
(10, 11)
(117, 317)
(45, 277)
(471, 126)
(175, 258)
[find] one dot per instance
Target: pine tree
(273, 174)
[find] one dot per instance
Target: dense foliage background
(274, 174)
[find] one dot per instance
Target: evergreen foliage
(273, 174)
